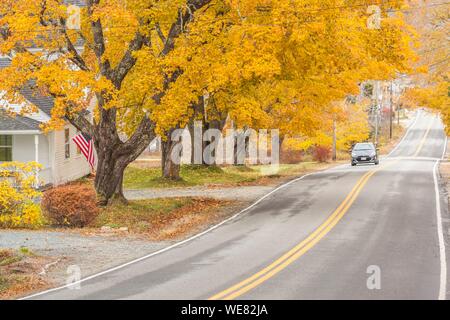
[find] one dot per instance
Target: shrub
(321, 153)
(291, 156)
(18, 196)
(70, 205)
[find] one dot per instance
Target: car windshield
(363, 146)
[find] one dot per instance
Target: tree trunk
(170, 170)
(192, 136)
(334, 147)
(207, 158)
(113, 155)
(213, 124)
(280, 143)
(109, 182)
(218, 122)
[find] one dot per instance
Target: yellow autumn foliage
(351, 126)
(254, 58)
(435, 97)
(431, 86)
(18, 196)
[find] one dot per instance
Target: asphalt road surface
(367, 232)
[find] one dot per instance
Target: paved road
(316, 238)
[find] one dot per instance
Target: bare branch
(128, 61)
(81, 123)
(99, 41)
(145, 132)
(160, 33)
(178, 26)
(76, 58)
(41, 14)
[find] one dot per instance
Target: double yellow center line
(300, 249)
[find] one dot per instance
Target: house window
(78, 149)
(5, 148)
(67, 143)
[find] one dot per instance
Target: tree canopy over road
(433, 85)
(150, 64)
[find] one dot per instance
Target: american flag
(85, 143)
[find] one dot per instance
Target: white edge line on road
(442, 250)
(174, 245)
(442, 255)
(411, 125)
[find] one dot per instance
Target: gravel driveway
(92, 253)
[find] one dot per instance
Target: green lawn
(138, 178)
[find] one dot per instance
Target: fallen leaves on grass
(19, 273)
(186, 219)
(445, 170)
(165, 218)
(387, 145)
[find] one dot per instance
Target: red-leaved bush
(72, 205)
(321, 153)
(291, 156)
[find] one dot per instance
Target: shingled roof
(80, 3)
(17, 123)
(45, 103)
(4, 62)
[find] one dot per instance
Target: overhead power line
(260, 14)
(439, 62)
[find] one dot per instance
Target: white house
(21, 139)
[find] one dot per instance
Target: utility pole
(334, 153)
(377, 103)
(376, 126)
(399, 105)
